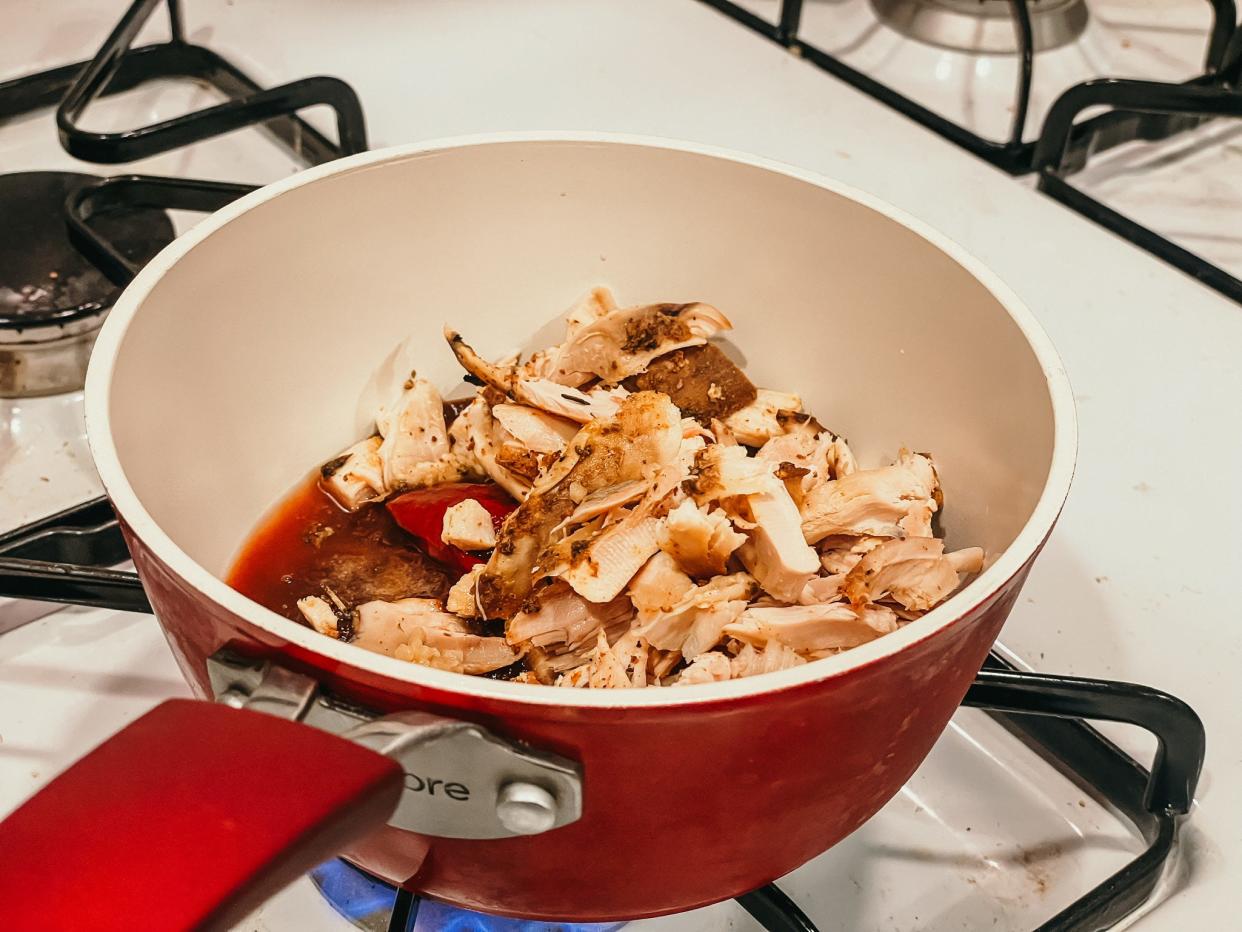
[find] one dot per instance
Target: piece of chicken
(659, 585)
(810, 628)
(660, 663)
(694, 622)
(622, 665)
(473, 436)
(774, 552)
(636, 444)
(420, 631)
(321, 615)
(598, 567)
(915, 572)
(840, 553)
(467, 525)
(823, 589)
(871, 501)
(771, 659)
(606, 500)
(702, 381)
(700, 541)
(708, 627)
(711, 667)
(593, 305)
(561, 629)
(623, 342)
(356, 476)
(381, 626)
(570, 403)
(536, 430)
(415, 450)
(590, 307)
(600, 570)
(461, 599)
(918, 520)
(760, 421)
(814, 453)
(560, 400)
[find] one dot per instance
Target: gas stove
(1119, 110)
(1014, 819)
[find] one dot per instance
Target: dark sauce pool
(308, 542)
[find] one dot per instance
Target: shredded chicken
(811, 628)
(536, 430)
(468, 525)
(608, 562)
(462, 599)
(320, 615)
(823, 589)
(771, 659)
(760, 421)
(622, 343)
(700, 541)
(620, 666)
(705, 668)
(474, 440)
(871, 501)
(659, 585)
(544, 394)
(643, 437)
(415, 450)
(421, 631)
(915, 573)
(605, 500)
(562, 626)
(806, 454)
(675, 526)
(357, 475)
(774, 552)
(694, 622)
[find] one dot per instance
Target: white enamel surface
(1119, 591)
(389, 243)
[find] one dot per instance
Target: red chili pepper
(421, 513)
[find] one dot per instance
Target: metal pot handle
(198, 812)
(461, 781)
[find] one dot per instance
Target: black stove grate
(118, 67)
(1138, 110)
(69, 558)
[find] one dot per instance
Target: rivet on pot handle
(461, 781)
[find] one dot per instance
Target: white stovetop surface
(1136, 582)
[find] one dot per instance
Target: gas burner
(983, 25)
(374, 906)
(52, 298)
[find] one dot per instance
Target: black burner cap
(44, 279)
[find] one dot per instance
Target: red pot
(238, 356)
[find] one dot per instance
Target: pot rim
(964, 603)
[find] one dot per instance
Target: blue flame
(438, 917)
(358, 896)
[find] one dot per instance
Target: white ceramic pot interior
(238, 361)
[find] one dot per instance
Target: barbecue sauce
(308, 542)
